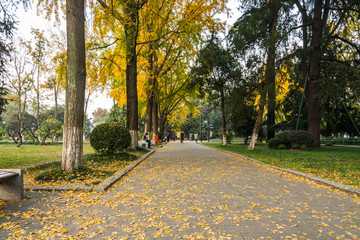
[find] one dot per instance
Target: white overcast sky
(28, 20)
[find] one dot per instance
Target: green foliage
(300, 137)
(291, 139)
(107, 138)
(230, 135)
(49, 127)
(3, 100)
(117, 114)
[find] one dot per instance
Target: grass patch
(30, 155)
(339, 164)
(96, 168)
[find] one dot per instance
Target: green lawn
(340, 164)
(30, 155)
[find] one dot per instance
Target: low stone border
(111, 180)
(324, 182)
(103, 186)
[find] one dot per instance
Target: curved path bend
(188, 191)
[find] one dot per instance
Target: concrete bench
(11, 184)
(145, 144)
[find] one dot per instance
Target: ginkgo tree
(167, 32)
(173, 33)
(122, 18)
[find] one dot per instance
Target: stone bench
(145, 144)
(11, 184)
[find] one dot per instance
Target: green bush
(229, 136)
(107, 138)
(274, 143)
(299, 138)
(291, 139)
(280, 141)
(284, 139)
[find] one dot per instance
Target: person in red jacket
(156, 138)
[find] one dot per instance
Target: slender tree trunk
(150, 92)
(304, 57)
(87, 99)
(271, 87)
(246, 140)
(312, 103)
(224, 141)
(148, 115)
(38, 106)
(155, 117)
(56, 110)
(131, 71)
(259, 117)
(304, 61)
(20, 119)
(269, 83)
(75, 86)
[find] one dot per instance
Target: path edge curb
(103, 186)
(107, 183)
(344, 188)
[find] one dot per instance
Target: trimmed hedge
(291, 139)
(107, 138)
(300, 138)
(274, 143)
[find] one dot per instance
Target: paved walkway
(187, 191)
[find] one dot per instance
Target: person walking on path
(188, 191)
(182, 136)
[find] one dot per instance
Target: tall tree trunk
(131, 71)
(38, 105)
(150, 92)
(270, 66)
(304, 60)
(75, 86)
(224, 141)
(148, 115)
(155, 117)
(269, 83)
(312, 103)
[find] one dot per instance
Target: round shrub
(274, 143)
(107, 138)
(300, 137)
(284, 139)
(281, 141)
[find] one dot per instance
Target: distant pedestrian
(196, 137)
